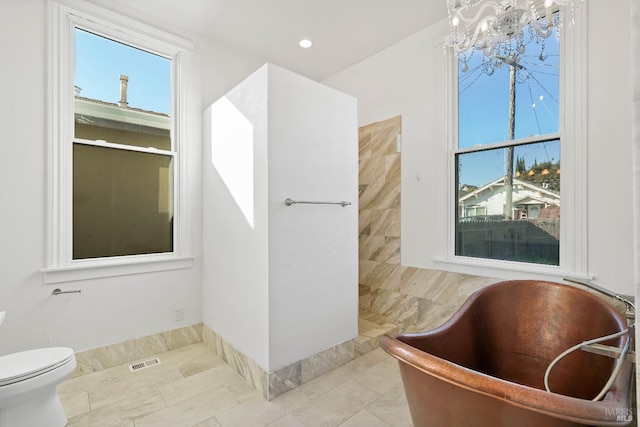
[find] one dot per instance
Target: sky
(99, 62)
(483, 104)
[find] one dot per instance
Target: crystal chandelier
(497, 27)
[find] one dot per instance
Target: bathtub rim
(568, 408)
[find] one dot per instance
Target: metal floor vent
(141, 365)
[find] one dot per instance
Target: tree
(521, 166)
(545, 174)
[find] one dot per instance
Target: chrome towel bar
(290, 202)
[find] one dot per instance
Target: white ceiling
(343, 32)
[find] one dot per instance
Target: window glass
(99, 61)
(122, 202)
(517, 222)
(484, 88)
(122, 150)
(508, 197)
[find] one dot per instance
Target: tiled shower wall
(379, 214)
(415, 298)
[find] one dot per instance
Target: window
(122, 150)
(470, 211)
(509, 153)
(118, 130)
(512, 124)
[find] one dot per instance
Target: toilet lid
(26, 364)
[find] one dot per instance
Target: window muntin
(122, 150)
(508, 159)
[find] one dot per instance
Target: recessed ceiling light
(305, 43)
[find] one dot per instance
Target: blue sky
(483, 104)
(100, 61)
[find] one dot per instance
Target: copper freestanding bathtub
(486, 365)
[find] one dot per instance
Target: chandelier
(497, 27)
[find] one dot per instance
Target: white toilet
(28, 381)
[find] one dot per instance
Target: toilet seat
(28, 364)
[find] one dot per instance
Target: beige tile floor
(192, 387)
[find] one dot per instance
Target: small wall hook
(58, 291)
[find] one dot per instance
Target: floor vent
(141, 365)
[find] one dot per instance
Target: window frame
(64, 17)
(573, 152)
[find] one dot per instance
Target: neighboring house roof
(93, 111)
(499, 183)
(493, 196)
(530, 200)
(115, 105)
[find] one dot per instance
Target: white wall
(313, 249)
(610, 180)
(280, 283)
(109, 310)
(235, 227)
(403, 80)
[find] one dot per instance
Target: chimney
(123, 91)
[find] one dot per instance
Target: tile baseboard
(273, 384)
(269, 384)
(112, 355)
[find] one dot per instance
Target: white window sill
(506, 269)
(95, 270)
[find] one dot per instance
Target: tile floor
(193, 387)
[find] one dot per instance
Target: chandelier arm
(474, 39)
(542, 32)
(488, 4)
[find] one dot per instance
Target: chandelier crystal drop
(497, 27)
